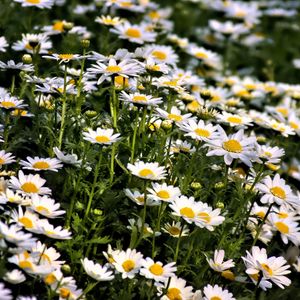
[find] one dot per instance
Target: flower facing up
(109, 20)
(270, 155)
(276, 190)
(163, 192)
(46, 206)
(29, 184)
(101, 136)
(218, 264)
(96, 271)
(234, 146)
(64, 57)
(235, 120)
(14, 277)
(139, 198)
(216, 293)
(41, 164)
(176, 229)
(55, 232)
(6, 158)
(10, 102)
(151, 171)
(174, 115)
(157, 271)
(36, 3)
(140, 99)
(128, 263)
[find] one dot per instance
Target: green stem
(134, 137)
(178, 244)
(112, 163)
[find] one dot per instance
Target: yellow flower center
(159, 55)
(284, 111)
(175, 117)
(215, 298)
(102, 139)
(25, 264)
(45, 257)
(58, 26)
(202, 132)
(294, 125)
(7, 104)
(133, 33)
(140, 199)
(204, 216)
(41, 165)
(228, 275)
(156, 269)
(2, 161)
(154, 15)
(121, 81)
(254, 276)
(64, 293)
(146, 173)
(282, 227)
(50, 279)
(170, 83)
(65, 56)
(29, 187)
(282, 215)
(233, 146)
(163, 194)
(201, 55)
(128, 265)
(233, 119)
(279, 192)
(174, 294)
(42, 209)
(113, 69)
(174, 230)
(138, 98)
(187, 212)
(26, 222)
(33, 1)
(267, 268)
(261, 214)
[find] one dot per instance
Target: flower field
(149, 149)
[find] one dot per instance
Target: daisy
(36, 3)
(14, 276)
(156, 270)
(161, 54)
(163, 192)
(33, 43)
(217, 263)
(276, 190)
(175, 229)
(109, 20)
(69, 291)
(207, 57)
(284, 129)
(134, 33)
(151, 171)
(182, 146)
(64, 57)
(101, 136)
(215, 292)
(228, 28)
(29, 184)
(128, 263)
(10, 102)
(16, 66)
(199, 130)
(5, 294)
(55, 232)
(41, 164)
(46, 206)
(6, 158)
(174, 115)
(15, 197)
(3, 44)
(140, 99)
(139, 198)
(96, 271)
(234, 146)
(71, 159)
(124, 68)
(270, 154)
(234, 120)
(176, 289)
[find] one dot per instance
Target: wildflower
(161, 54)
(217, 263)
(139, 198)
(14, 277)
(151, 171)
(5, 294)
(55, 232)
(174, 115)
(6, 158)
(96, 271)
(140, 99)
(176, 229)
(19, 66)
(36, 3)
(41, 164)
(71, 159)
(3, 44)
(239, 120)
(101, 136)
(10, 102)
(271, 155)
(163, 192)
(46, 206)
(216, 292)
(64, 57)
(109, 20)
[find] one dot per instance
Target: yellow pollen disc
(128, 265)
(163, 194)
(26, 222)
(294, 125)
(170, 83)
(268, 154)
(64, 293)
(156, 269)
(133, 33)
(202, 132)
(139, 98)
(283, 111)
(174, 230)
(42, 209)
(233, 146)
(282, 215)
(24, 264)
(42, 165)
(228, 275)
(261, 214)
(29, 187)
(235, 120)
(2, 161)
(28, 47)
(201, 55)
(205, 217)
(250, 86)
(154, 15)
(26, 254)
(215, 298)
(65, 56)
(187, 212)
(215, 98)
(159, 55)
(50, 279)
(7, 104)
(254, 276)
(193, 106)
(58, 26)
(174, 294)
(243, 93)
(146, 173)
(140, 199)
(113, 69)
(155, 68)
(174, 117)
(279, 192)
(267, 268)
(102, 139)
(121, 81)
(33, 1)
(282, 228)
(45, 257)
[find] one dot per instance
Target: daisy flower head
(151, 171)
(139, 198)
(181, 146)
(268, 154)
(139, 34)
(3, 44)
(14, 277)
(163, 192)
(55, 232)
(176, 229)
(216, 293)
(174, 115)
(64, 57)
(46, 206)
(41, 164)
(162, 54)
(11, 102)
(36, 3)
(96, 271)
(29, 184)
(140, 99)
(234, 146)
(16, 66)
(101, 136)
(128, 263)
(235, 120)
(108, 20)
(71, 159)
(5, 294)
(218, 264)
(276, 190)
(156, 270)
(6, 158)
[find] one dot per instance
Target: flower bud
(166, 124)
(68, 26)
(196, 185)
(66, 269)
(85, 43)
(219, 185)
(220, 205)
(27, 59)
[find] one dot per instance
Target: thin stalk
(134, 136)
(112, 163)
(178, 244)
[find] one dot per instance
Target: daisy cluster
(142, 142)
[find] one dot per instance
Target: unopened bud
(196, 185)
(27, 59)
(66, 269)
(166, 124)
(219, 185)
(79, 206)
(91, 113)
(68, 26)
(85, 43)
(97, 212)
(220, 205)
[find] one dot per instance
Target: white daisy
(41, 164)
(216, 293)
(6, 158)
(218, 264)
(3, 44)
(175, 229)
(140, 99)
(163, 192)
(96, 271)
(101, 136)
(14, 276)
(5, 294)
(174, 115)
(36, 3)
(151, 171)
